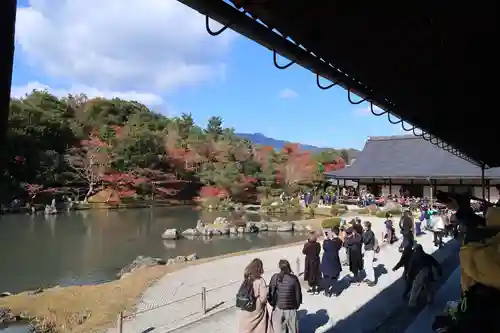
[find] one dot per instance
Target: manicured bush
(363, 211)
(372, 209)
(337, 210)
(331, 222)
(380, 213)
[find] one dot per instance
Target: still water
(87, 247)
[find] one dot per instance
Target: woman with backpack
(285, 297)
(252, 300)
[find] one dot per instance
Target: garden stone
(191, 232)
(241, 230)
(233, 231)
(171, 234)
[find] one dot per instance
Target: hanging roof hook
(275, 59)
(318, 83)
(210, 31)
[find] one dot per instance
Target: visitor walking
(285, 297)
(369, 242)
(404, 262)
(252, 300)
(422, 272)
(353, 243)
(406, 227)
(312, 272)
(330, 262)
(438, 229)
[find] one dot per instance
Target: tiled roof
(409, 157)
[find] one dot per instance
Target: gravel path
(174, 303)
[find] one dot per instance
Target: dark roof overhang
(425, 62)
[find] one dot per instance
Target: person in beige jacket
(256, 321)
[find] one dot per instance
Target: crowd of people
(273, 308)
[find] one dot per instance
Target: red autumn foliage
(213, 192)
(34, 189)
(297, 167)
(334, 165)
(20, 159)
(123, 183)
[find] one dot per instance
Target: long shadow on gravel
(386, 312)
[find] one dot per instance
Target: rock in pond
(140, 261)
(251, 228)
(191, 232)
(180, 259)
(233, 230)
(221, 220)
(5, 294)
(171, 234)
(241, 230)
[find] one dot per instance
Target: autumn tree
(90, 161)
(295, 167)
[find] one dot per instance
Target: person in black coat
(285, 297)
(330, 262)
(312, 273)
(404, 262)
(406, 227)
(354, 244)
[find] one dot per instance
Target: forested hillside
(79, 145)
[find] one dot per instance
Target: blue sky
(181, 69)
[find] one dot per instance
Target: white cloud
(288, 94)
(121, 45)
(144, 98)
(367, 110)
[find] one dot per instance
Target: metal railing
(207, 306)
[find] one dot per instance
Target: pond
(86, 247)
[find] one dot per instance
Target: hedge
(331, 222)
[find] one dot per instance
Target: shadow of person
(379, 271)
(309, 322)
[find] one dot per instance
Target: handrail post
(120, 322)
(204, 300)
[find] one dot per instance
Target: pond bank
(90, 308)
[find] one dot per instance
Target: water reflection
(92, 246)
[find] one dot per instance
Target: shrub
(337, 210)
(372, 209)
(310, 211)
(266, 202)
(323, 211)
(331, 222)
(363, 211)
(380, 213)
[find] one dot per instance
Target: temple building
(412, 166)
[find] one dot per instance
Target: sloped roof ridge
(393, 137)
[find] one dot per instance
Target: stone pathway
(174, 303)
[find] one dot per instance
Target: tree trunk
(89, 192)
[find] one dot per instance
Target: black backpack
(245, 298)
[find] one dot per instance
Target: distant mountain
(261, 139)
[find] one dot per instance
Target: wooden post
(120, 322)
(204, 300)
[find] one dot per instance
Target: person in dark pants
(422, 272)
(406, 227)
(354, 244)
(285, 297)
(330, 262)
(312, 273)
(405, 263)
